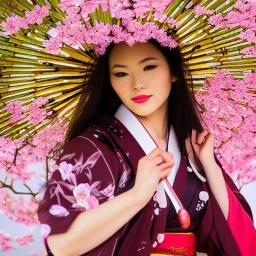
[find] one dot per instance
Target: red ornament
(184, 218)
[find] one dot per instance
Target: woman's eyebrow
(140, 62)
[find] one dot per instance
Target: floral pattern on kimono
(86, 177)
(101, 164)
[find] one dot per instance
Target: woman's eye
(120, 74)
(150, 67)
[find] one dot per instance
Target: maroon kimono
(101, 163)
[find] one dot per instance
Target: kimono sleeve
(85, 177)
(240, 219)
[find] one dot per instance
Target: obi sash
(176, 244)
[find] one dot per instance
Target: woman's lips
(141, 99)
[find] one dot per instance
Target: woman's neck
(156, 124)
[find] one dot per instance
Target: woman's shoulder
(91, 149)
(96, 137)
(98, 132)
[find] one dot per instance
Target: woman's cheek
(121, 91)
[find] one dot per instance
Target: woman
(135, 125)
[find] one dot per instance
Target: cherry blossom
(199, 10)
(45, 230)
(65, 170)
(243, 15)
(25, 240)
(19, 209)
(229, 107)
(230, 114)
(58, 211)
(16, 111)
(37, 15)
(8, 243)
(14, 23)
(82, 194)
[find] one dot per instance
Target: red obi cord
(176, 244)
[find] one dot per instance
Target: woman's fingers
(193, 136)
(166, 156)
(165, 171)
(157, 160)
(165, 166)
(201, 137)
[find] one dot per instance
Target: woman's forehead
(125, 53)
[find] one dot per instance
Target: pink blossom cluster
(16, 111)
(199, 10)
(141, 8)
(74, 32)
(8, 243)
(101, 35)
(11, 160)
(243, 15)
(249, 52)
(230, 113)
(45, 140)
(19, 209)
(36, 114)
(14, 23)
(17, 155)
(76, 28)
(86, 7)
(15, 158)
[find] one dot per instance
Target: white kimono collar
(141, 135)
(133, 125)
(138, 131)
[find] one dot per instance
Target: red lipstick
(141, 98)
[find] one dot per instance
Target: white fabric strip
(200, 177)
(130, 121)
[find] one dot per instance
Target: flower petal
(204, 196)
(82, 190)
(45, 230)
(58, 211)
(160, 238)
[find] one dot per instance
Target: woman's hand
(203, 144)
(151, 170)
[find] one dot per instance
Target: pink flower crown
(136, 21)
(97, 23)
(101, 22)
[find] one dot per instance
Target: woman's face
(140, 70)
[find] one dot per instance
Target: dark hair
(99, 98)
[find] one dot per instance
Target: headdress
(131, 22)
(209, 33)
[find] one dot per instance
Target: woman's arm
(202, 144)
(235, 211)
(93, 227)
(217, 185)
(74, 233)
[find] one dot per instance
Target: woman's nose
(138, 84)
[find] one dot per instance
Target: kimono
(101, 163)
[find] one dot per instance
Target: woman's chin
(142, 111)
